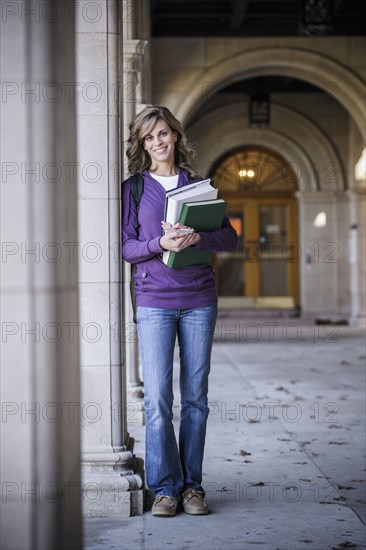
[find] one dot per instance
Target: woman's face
(160, 143)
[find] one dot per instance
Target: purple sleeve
(134, 250)
(224, 239)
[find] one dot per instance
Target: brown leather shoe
(164, 506)
(194, 502)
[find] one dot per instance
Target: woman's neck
(164, 170)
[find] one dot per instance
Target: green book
(203, 216)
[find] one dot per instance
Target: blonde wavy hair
(138, 159)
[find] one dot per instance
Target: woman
(170, 303)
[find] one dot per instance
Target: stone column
(359, 283)
(344, 240)
(356, 175)
(133, 51)
(40, 465)
(351, 255)
(136, 93)
(112, 477)
(319, 263)
(135, 80)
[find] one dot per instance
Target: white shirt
(168, 182)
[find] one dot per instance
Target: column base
(110, 487)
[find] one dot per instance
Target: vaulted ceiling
(258, 17)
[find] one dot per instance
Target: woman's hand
(174, 240)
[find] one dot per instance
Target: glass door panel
(273, 238)
(265, 263)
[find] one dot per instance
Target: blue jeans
(168, 470)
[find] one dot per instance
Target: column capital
(133, 51)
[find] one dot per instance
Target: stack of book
(195, 205)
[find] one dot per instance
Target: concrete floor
(285, 451)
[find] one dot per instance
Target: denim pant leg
(195, 333)
(157, 329)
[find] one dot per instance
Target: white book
(176, 198)
(197, 191)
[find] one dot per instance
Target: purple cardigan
(156, 284)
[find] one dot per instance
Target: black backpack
(137, 189)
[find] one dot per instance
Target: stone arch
(317, 69)
(231, 124)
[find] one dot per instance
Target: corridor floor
(284, 460)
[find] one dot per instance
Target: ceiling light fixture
(248, 173)
(259, 110)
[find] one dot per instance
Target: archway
(319, 70)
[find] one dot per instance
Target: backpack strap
(137, 188)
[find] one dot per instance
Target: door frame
(250, 204)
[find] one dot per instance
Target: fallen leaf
(244, 453)
(281, 388)
(345, 544)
